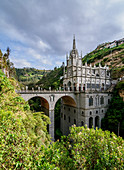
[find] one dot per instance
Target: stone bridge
(49, 99)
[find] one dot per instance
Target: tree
(86, 148)
(114, 117)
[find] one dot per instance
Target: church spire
(74, 44)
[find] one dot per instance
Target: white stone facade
(90, 85)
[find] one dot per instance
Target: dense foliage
(24, 142)
(52, 79)
(35, 104)
(85, 148)
(30, 76)
(114, 118)
(22, 132)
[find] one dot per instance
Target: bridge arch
(66, 116)
(67, 99)
(51, 97)
(40, 102)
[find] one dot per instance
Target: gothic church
(91, 87)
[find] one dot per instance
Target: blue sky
(40, 33)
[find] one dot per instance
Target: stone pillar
(100, 121)
(93, 121)
(77, 87)
(81, 87)
(38, 88)
(26, 88)
(51, 126)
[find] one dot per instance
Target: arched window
(64, 117)
(82, 112)
(68, 109)
(90, 113)
(65, 87)
(82, 123)
(97, 121)
(91, 101)
(69, 84)
(75, 121)
(74, 111)
(90, 122)
(96, 111)
(102, 100)
(96, 101)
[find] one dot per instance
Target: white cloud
(58, 63)
(43, 45)
(40, 32)
(19, 63)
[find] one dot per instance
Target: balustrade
(60, 89)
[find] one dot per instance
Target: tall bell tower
(72, 60)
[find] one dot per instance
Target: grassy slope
(29, 75)
(113, 57)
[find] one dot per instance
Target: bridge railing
(60, 89)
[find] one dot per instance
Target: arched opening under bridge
(39, 104)
(65, 115)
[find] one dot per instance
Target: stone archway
(67, 114)
(42, 102)
(39, 104)
(51, 98)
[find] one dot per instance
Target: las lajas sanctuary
(85, 98)
(91, 86)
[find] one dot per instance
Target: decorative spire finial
(74, 44)
(81, 53)
(66, 56)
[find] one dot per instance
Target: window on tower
(102, 100)
(91, 101)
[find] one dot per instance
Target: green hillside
(52, 79)
(30, 75)
(113, 57)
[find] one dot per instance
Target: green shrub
(86, 148)
(22, 133)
